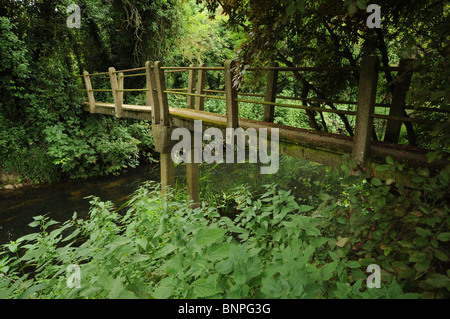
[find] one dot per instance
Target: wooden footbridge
(315, 146)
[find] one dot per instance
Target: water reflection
(60, 201)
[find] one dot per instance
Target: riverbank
(10, 182)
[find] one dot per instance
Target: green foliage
(403, 230)
(31, 163)
(40, 106)
(97, 146)
(161, 249)
(14, 69)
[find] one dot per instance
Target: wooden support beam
(270, 95)
(193, 179)
(116, 94)
(152, 93)
(231, 96)
(162, 96)
(366, 103)
(90, 92)
(167, 168)
(199, 100)
(120, 80)
(191, 87)
(397, 109)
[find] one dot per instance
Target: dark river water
(61, 200)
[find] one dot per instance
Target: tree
(333, 32)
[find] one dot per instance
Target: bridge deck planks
(311, 145)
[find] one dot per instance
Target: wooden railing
(196, 93)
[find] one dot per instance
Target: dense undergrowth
(268, 246)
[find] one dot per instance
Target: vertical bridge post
(116, 93)
(151, 96)
(193, 176)
(162, 130)
(231, 96)
(200, 100)
(366, 104)
(120, 80)
(192, 168)
(270, 95)
(191, 87)
(401, 87)
(90, 93)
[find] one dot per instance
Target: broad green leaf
(390, 181)
(422, 265)
(240, 276)
(304, 208)
(444, 237)
(353, 264)
(34, 223)
(376, 182)
(342, 242)
(271, 288)
(207, 236)
(165, 288)
(382, 168)
(33, 289)
(389, 160)
(438, 280)
(205, 287)
(218, 251)
(440, 255)
(116, 289)
(253, 266)
(238, 291)
(167, 249)
(225, 266)
(311, 230)
(423, 232)
(328, 269)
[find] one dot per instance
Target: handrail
(129, 70)
(405, 119)
(187, 68)
(197, 95)
(386, 105)
(306, 68)
(100, 90)
(131, 90)
(297, 106)
(91, 74)
(131, 75)
(191, 92)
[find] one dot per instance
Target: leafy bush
(32, 163)
(404, 230)
(14, 69)
(100, 145)
(162, 249)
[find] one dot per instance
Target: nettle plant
(156, 248)
(406, 231)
